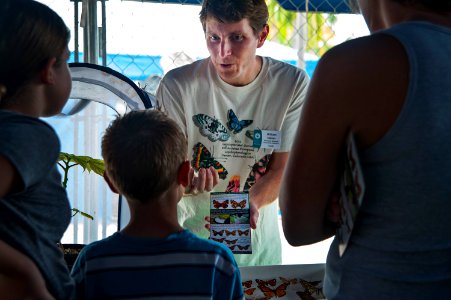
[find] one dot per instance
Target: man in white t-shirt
(225, 104)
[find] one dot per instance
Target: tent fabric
(326, 6)
(92, 82)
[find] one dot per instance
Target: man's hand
(205, 180)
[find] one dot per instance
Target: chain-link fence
(144, 40)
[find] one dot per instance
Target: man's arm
(266, 190)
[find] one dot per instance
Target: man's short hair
(231, 11)
(143, 151)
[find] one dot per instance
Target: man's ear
(110, 183)
(263, 35)
(47, 74)
(183, 175)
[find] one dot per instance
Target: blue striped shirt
(180, 266)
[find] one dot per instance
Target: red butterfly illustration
(218, 204)
(234, 184)
(278, 292)
(241, 204)
(231, 241)
(249, 291)
(243, 232)
(257, 171)
(247, 284)
(266, 282)
(228, 233)
(218, 240)
(221, 232)
(232, 247)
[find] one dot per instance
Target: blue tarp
(140, 67)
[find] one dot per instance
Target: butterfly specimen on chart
(229, 233)
(278, 292)
(230, 242)
(304, 295)
(247, 283)
(249, 291)
(266, 282)
(257, 171)
(243, 247)
(234, 184)
(243, 232)
(232, 247)
(236, 204)
(221, 232)
(289, 281)
(218, 240)
(219, 204)
(311, 287)
(211, 128)
(234, 124)
(202, 158)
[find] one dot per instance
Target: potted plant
(66, 161)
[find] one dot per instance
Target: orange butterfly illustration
(241, 204)
(223, 204)
(230, 232)
(249, 291)
(266, 282)
(243, 247)
(231, 241)
(244, 232)
(221, 232)
(247, 284)
(278, 292)
(218, 240)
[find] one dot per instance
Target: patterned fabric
(180, 266)
(401, 242)
(35, 219)
(219, 121)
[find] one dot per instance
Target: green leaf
(86, 162)
(77, 211)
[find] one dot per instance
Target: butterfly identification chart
(230, 221)
(352, 188)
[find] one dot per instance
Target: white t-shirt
(219, 121)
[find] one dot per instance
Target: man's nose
(225, 49)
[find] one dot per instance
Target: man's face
(232, 48)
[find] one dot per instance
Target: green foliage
(283, 28)
(67, 161)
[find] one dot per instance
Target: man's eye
(238, 37)
(213, 38)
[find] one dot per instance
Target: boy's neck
(156, 219)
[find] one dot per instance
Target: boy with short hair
(153, 256)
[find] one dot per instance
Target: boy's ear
(110, 183)
(47, 74)
(183, 175)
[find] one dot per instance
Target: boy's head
(232, 11)
(143, 152)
